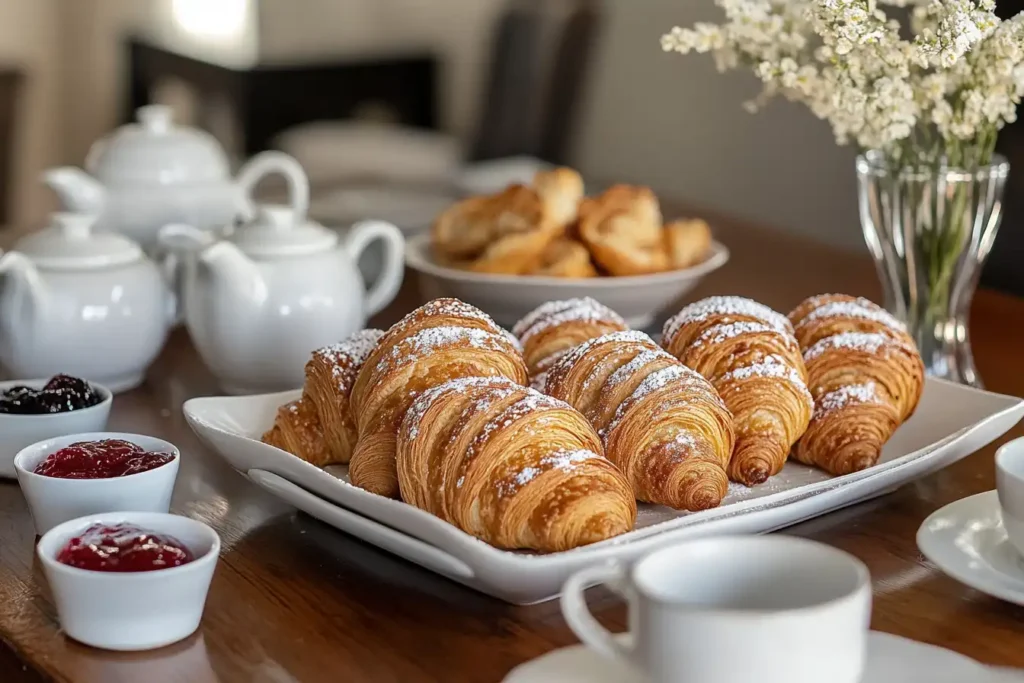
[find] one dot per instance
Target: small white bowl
(507, 298)
(53, 500)
(131, 610)
(1010, 488)
(18, 431)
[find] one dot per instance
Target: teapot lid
(70, 243)
(280, 230)
(154, 151)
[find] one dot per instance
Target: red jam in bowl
(100, 460)
(123, 548)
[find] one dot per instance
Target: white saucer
(966, 540)
(891, 659)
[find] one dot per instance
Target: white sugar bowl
(153, 172)
(259, 301)
(80, 303)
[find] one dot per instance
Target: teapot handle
(269, 163)
(383, 291)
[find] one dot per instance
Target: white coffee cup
(771, 609)
(1010, 488)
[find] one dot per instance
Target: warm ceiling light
(211, 18)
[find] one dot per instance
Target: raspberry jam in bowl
(129, 580)
(102, 459)
(123, 547)
(34, 410)
(83, 474)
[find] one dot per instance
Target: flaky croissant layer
(865, 374)
(510, 466)
(662, 424)
(750, 355)
(442, 340)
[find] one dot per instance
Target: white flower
(961, 77)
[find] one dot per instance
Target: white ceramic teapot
(85, 304)
(149, 174)
(259, 301)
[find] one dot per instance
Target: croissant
(662, 424)
(510, 466)
(640, 202)
(687, 242)
(330, 374)
(553, 328)
(297, 430)
(623, 230)
(505, 233)
(564, 257)
(865, 374)
(827, 314)
(444, 339)
(561, 190)
(750, 355)
(462, 231)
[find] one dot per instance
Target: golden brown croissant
(640, 202)
(505, 233)
(561, 190)
(662, 424)
(553, 328)
(463, 230)
(442, 340)
(749, 354)
(564, 257)
(330, 374)
(623, 230)
(510, 466)
(827, 314)
(866, 377)
(687, 242)
(297, 430)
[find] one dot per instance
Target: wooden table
(294, 600)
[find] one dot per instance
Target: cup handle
(578, 616)
(267, 163)
(384, 290)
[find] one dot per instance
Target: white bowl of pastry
(510, 252)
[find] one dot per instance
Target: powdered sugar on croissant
(750, 355)
(662, 424)
(866, 377)
(444, 339)
(553, 328)
(510, 466)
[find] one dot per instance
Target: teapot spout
(78, 191)
(26, 287)
(231, 268)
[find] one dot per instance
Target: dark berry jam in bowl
(129, 580)
(82, 474)
(59, 394)
(20, 427)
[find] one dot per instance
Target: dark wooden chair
(10, 88)
(541, 51)
(270, 99)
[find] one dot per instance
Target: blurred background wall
(647, 117)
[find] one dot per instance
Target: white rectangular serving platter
(951, 422)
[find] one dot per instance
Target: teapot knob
(155, 118)
(278, 216)
(74, 226)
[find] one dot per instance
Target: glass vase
(929, 231)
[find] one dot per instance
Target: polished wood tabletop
(295, 600)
